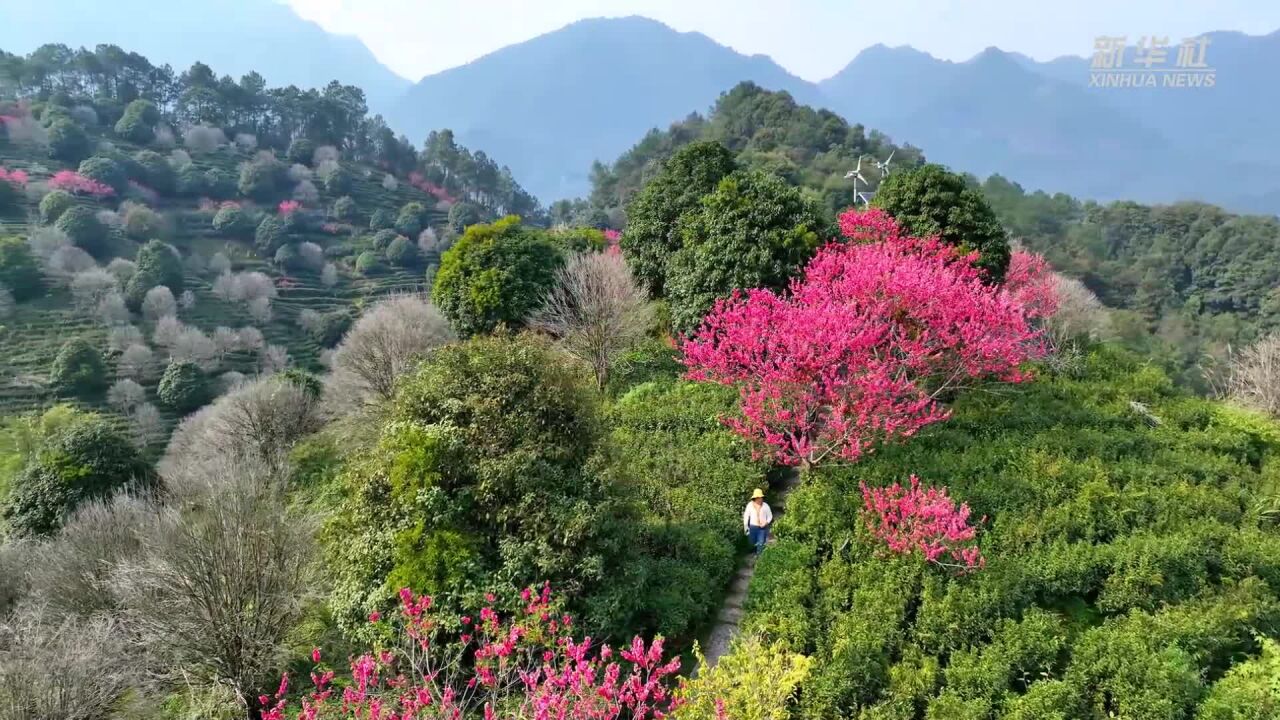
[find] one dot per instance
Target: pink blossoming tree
(526, 666)
(864, 345)
(14, 177)
(74, 182)
(288, 207)
(923, 520)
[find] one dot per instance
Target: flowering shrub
(521, 667)
(862, 347)
(74, 182)
(14, 177)
(612, 240)
(923, 520)
(288, 207)
(417, 180)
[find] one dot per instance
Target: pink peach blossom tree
(863, 347)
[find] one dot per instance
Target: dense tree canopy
(930, 200)
(496, 274)
(652, 235)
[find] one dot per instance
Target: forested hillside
(171, 218)
(1193, 279)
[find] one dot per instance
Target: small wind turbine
(856, 175)
(866, 197)
(883, 167)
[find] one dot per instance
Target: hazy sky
(811, 38)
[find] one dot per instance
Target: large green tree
(87, 459)
(496, 274)
(652, 217)
(78, 369)
(754, 230)
(478, 474)
(81, 224)
(19, 270)
(931, 200)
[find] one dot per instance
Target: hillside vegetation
(286, 210)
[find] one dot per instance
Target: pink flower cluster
(74, 182)
(922, 520)
(417, 180)
(612, 241)
(288, 207)
(860, 349)
(524, 667)
(1033, 284)
(14, 177)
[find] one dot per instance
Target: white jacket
(749, 516)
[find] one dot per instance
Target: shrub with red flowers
(417, 180)
(923, 520)
(74, 182)
(863, 347)
(522, 666)
(288, 207)
(1032, 282)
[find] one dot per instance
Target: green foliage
(54, 204)
(685, 477)
(157, 173)
(344, 208)
(754, 681)
(68, 141)
(78, 369)
(930, 200)
(338, 181)
(1125, 567)
(157, 264)
(652, 235)
(87, 458)
(496, 274)
(289, 259)
(301, 151)
(140, 222)
(232, 221)
(81, 224)
(403, 253)
(381, 219)
(580, 239)
(106, 171)
(19, 270)
(369, 263)
(332, 326)
(219, 184)
(184, 387)
(754, 230)
(409, 221)
(137, 124)
(1250, 691)
(477, 475)
(463, 215)
(192, 181)
(382, 240)
(767, 131)
(263, 180)
(271, 235)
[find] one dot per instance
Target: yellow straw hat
(757, 494)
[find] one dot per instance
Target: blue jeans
(758, 536)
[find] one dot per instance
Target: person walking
(756, 519)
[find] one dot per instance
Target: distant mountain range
(551, 106)
(231, 36)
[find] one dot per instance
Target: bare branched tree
(222, 578)
(260, 420)
(383, 344)
(597, 311)
(1254, 379)
(126, 394)
(136, 361)
(70, 669)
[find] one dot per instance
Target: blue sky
(811, 38)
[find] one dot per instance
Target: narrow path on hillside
(726, 626)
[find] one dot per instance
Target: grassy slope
(33, 335)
